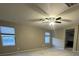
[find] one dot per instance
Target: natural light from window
(7, 36)
(47, 37)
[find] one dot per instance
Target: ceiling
(21, 13)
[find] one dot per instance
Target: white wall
(27, 37)
(58, 39)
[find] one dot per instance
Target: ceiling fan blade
(57, 22)
(66, 20)
(59, 18)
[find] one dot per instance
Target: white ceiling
(22, 12)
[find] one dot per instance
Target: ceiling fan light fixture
(51, 23)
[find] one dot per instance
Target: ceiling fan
(51, 20)
(47, 19)
(55, 20)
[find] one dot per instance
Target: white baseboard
(22, 51)
(59, 48)
(75, 51)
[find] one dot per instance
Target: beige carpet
(47, 52)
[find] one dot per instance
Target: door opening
(69, 38)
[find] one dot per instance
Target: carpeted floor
(47, 52)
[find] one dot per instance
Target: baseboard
(4, 54)
(76, 51)
(59, 48)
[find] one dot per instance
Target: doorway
(69, 38)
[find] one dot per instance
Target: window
(7, 36)
(47, 37)
(7, 30)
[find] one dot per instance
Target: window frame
(47, 36)
(7, 34)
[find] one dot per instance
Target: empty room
(39, 29)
